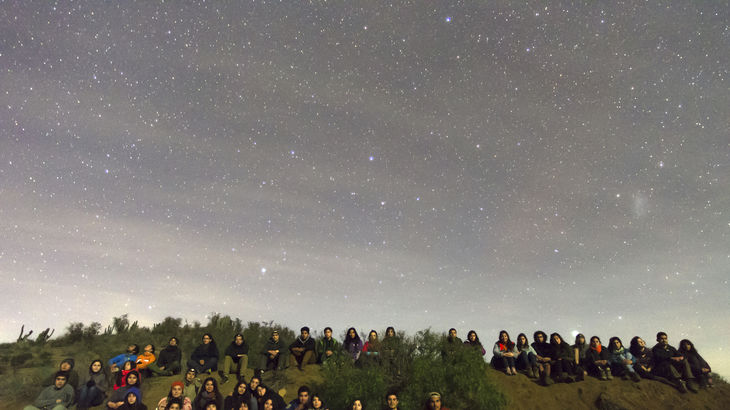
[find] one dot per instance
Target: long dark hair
(349, 339)
(540, 332)
(552, 335)
(101, 369)
(577, 343)
(521, 346)
(476, 338)
(319, 396)
(510, 344)
(123, 377)
(218, 395)
(611, 346)
(683, 349)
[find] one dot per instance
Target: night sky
(482, 165)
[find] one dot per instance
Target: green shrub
(412, 367)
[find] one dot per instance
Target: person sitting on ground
(176, 392)
(191, 384)
(563, 365)
(121, 375)
(168, 360)
(504, 354)
(133, 400)
(526, 357)
(116, 362)
(57, 396)
(472, 340)
(208, 393)
(544, 353)
(236, 359)
(144, 359)
(597, 360)
(389, 345)
(451, 344)
(327, 346)
(302, 350)
(72, 376)
(644, 364)
(621, 360)
(700, 368)
(253, 387)
(173, 404)
(272, 351)
(671, 364)
(302, 401)
(94, 386)
(265, 394)
(205, 357)
(352, 344)
(240, 395)
(580, 348)
(434, 402)
(119, 396)
(391, 400)
(317, 402)
(371, 349)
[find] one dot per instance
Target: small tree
(74, 332)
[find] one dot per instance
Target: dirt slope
(524, 393)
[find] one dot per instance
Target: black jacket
(234, 350)
(306, 344)
(169, 355)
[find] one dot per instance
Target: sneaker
(609, 376)
(682, 386)
(692, 387)
(603, 375)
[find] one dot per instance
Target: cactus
(44, 336)
(22, 338)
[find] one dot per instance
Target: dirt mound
(524, 393)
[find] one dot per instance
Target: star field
(481, 165)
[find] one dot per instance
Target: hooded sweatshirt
(138, 405)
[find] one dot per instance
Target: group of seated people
(118, 383)
(554, 359)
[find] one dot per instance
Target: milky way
(481, 165)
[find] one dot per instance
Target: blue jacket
(618, 356)
(123, 358)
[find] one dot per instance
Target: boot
(681, 386)
(530, 373)
(223, 376)
(546, 380)
(609, 376)
(635, 377)
(603, 374)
